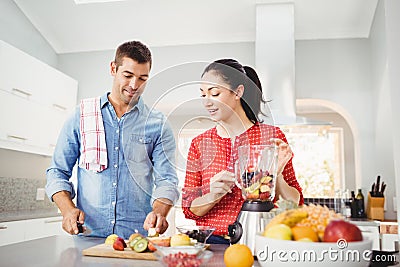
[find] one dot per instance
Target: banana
(288, 217)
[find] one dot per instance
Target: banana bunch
(288, 217)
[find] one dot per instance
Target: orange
(301, 232)
(238, 255)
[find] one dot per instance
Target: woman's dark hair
(234, 74)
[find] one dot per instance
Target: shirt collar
(104, 100)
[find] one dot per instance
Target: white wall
(18, 31)
(340, 71)
(92, 69)
(383, 107)
(392, 12)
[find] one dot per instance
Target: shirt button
(112, 222)
(115, 166)
(114, 184)
(113, 203)
(117, 131)
(116, 148)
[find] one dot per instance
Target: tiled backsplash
(329, 202)
(19, 195)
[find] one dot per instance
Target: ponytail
(234, 74)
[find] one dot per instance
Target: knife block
(375, 208)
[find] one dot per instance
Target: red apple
(340, 229)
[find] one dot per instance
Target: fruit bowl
(199, 233)
(275, 252)
(194, 256)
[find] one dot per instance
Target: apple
(340, 229)
(279, 231)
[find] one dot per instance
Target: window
(319, 159)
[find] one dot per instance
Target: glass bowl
(199, 233)
(193, 256)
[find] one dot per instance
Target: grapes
(200, 236)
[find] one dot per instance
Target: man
(126, 178)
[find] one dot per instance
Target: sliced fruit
(266, 179)
(264, 188)
(152, 232)
(141, 245)
(265, 195)
(110, 239)
(253, 195)
(134, 241)
(252, 188)
(133, 236)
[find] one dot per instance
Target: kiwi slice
(141, 245)
(134, 241)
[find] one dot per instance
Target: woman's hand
(221, 184)
(284, 154)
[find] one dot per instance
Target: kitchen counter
(66, 251)
(28, 214)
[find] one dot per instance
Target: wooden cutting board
(105, 250)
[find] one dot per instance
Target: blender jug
(256, 171)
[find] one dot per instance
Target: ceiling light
(78, 2)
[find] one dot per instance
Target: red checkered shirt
(210, 154)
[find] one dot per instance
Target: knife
(83, 229)
(372, 190)
(378, 180)
(383, 189)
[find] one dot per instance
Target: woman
(233, 96)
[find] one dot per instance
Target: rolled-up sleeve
(64, 158)
(166, 179)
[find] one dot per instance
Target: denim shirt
(141, 158)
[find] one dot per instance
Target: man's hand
(158, 217)
(156, 220)
(71, 214)
(70, 219)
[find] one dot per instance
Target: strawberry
(119, 244)
(122, 240)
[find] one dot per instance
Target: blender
(255, 171)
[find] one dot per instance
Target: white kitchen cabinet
(36, 100)
(24, 230)
(370, 230)
(43, 227)
(12, 232)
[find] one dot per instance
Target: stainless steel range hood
(275, 61)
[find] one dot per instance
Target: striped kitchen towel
(93, 138)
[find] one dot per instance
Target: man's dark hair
(134, 50)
